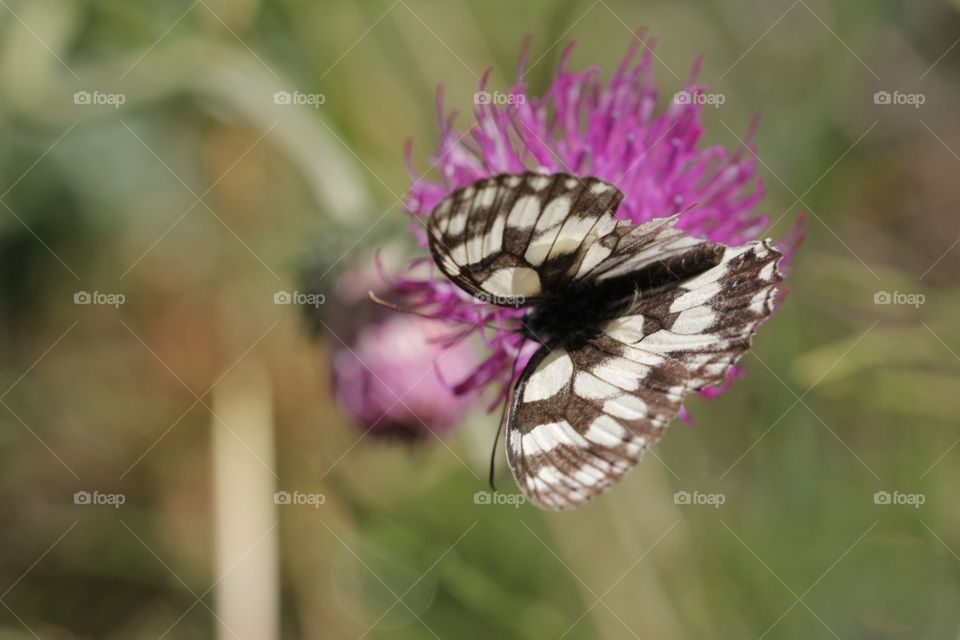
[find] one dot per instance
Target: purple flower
(393, 380)
(587, 127)
(391, 372)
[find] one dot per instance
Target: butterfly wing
(707, 322)
(581, 418)
(508, 238)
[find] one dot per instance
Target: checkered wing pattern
(581, 418)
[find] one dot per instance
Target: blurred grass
(94, 198)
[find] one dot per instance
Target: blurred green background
(192, 402)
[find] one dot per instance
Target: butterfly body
(572, 316)
(630, 319)
(577, 312)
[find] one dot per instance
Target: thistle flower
(392, 374)
(585, 127)
(394, 379)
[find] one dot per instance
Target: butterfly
(629, 318)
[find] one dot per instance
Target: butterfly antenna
(389, 305)
(493, 451)
(503, 418)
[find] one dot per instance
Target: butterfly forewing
(510, 237)
(707, 322)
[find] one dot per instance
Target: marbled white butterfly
(630, 319)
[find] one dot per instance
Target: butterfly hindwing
(580, 419)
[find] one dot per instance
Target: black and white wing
(515, 235)
(581, 418)
(708, 321)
